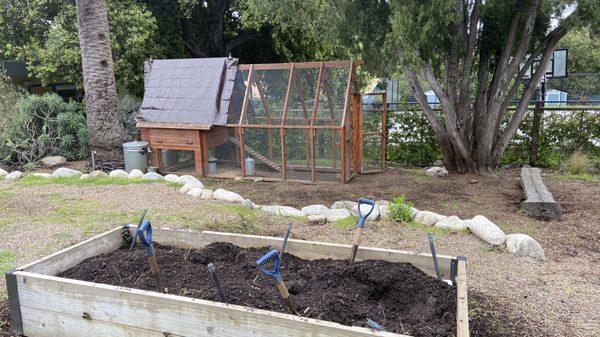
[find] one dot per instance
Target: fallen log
(539, 202)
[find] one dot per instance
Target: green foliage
(7, 260)
(41, 126)
(128, 108)
(345, 223)
(9, 96)
(400, 209)
(75, 181)
(579, 163)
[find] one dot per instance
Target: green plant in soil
(345, 223)
(400, 209)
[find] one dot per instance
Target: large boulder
(315, 210)
(195, 192)
(413, 212)
(187, 187)
(152, 176)
(365, 208)
(248, 204)
(451, 223)
(84, 176)
(42, 175)
(52, 161)
(171, 177)
(438, 163)
(118, 174)
(436, 172)
(188, 179)
(337, 214)
(98, 174)
(344, 204)
(427, 218)
(207, 193)
(3, 173)
(135, 174)
(524, 245)
(225, 195)
(486, 230)
(14, 175)
(283, 210)
(384, 212)
(66, 172)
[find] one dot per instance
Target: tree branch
(239, 39)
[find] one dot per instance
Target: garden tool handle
(156, 273)
(285, 240)
(283, 290)
(362, 218)
(144, 232)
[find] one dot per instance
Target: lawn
(509, 296)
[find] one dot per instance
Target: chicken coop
(286, 121)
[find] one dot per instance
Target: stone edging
(480, 226)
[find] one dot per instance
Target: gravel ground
(508, 296)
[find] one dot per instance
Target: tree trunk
(105, 128)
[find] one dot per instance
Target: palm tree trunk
(105, 128)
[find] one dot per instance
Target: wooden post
(283, 118)
(535, 132)
(312, 124)
(247, 94)
(265, 104)
(384, 131)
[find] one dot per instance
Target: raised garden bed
(43, 304)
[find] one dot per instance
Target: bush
(41, 126)
(128, 108)
(400, 209)
(579, 163)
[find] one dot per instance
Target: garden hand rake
(434, 256)
(144, 232)
(213, 272)
(269, 264)
(362, 218)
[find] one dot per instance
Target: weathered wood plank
(304, 249)
(163, 313)
(462, 305)
(40, 322)
(539, 201)
(72, 256)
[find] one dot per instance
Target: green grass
(426, 229)
(345, 223)
(581, 176)
(40, 181)
(7, 260)
(491, 249)
(239, 210)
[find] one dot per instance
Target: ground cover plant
(398, 296)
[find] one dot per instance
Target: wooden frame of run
(42, 304)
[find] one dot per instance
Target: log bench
(539, 202)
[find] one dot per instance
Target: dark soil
(398, 296)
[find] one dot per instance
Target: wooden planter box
(42, 304)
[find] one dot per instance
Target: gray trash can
(136, 155)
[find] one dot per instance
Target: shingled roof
(188, 91)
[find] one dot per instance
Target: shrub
(44, 125)
(579, 163)
(128, 108)
(400, 209)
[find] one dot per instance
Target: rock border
(480, 226)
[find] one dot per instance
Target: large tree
(469, 52)
(105, 129)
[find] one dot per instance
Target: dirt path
(508, 296)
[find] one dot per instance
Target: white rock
(237, 178)
(187, 187)
(135, 174)
(344, 204)
(187, 179)
(382, 202)
(42, 175)
(413, 212)
(427, 218)
(438, 163)
(319, 217)
(258, 207)
(259, 180)
(315, 210)
(451, 223)
(171, 177)
(66, 172)
(84, 176)
(3, 173)
(486, 230)
(118, 174)
(337, 214)
(384, 212)
(524, 245)
(51, 161)
(195, 192)
(225, 195)
(98, 174)
(365, 208)
(152, 176)
(436, 172)
(283, 210)
(248, 204)
(14, 175)
(207, 193)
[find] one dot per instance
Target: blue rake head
(269, 264)
(144, 232)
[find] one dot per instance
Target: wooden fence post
(535, 132)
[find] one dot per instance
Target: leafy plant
(400, 209)
(128, 108)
